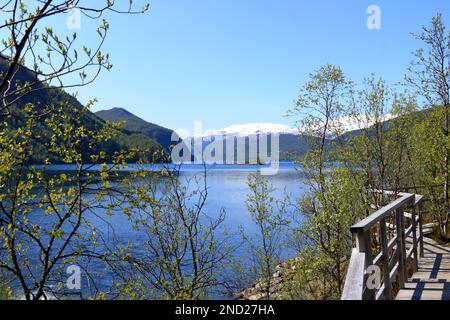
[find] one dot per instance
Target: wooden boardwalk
(432, 279)
(391, 240)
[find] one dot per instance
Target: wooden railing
(385, 241)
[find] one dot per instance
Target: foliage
(36, 245)
(46, 218)
(184, 254)
(269, 215)
(396, 148)
(429, 75)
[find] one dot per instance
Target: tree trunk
(446, 170)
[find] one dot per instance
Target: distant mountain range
(138, 133)
(292, 142)
(249, 129)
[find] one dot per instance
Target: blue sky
(232, 61)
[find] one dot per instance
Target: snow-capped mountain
(251, 129)
(291, 142)
(336, 127)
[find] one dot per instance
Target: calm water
(227, 189)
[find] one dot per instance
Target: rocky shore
(279, 282)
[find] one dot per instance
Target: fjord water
(227, 190)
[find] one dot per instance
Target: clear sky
(228, 62)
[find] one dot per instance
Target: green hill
(135, 124)
(41, 97)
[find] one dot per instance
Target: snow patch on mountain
(252, 129)
(336, 127)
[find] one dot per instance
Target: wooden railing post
(421, 251)
(401, 246)
(385, 260)
(364, 244)
(414, 236)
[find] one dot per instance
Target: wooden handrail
(385, 211)
(389, 226)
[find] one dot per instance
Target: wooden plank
(378, 258)
(409, 253)
(430, 281)
(354, 282)
(408, 215)
(418, 198)
(380, 294)
(392, 243)
(409, 231)
(394, 259)
(393, 272)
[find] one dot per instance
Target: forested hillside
(44, 100)
(135, 124)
